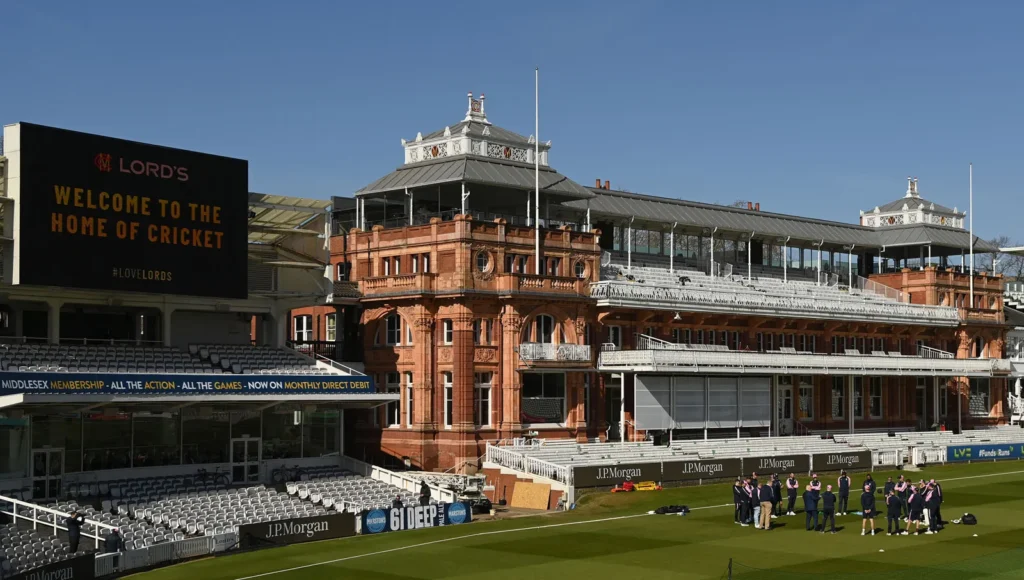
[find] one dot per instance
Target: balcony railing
(400, 284)
(661, 357)
(537, 351)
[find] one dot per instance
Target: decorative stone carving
(444, 354)
(483, 354)
(424, 323)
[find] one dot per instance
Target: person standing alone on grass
(764, 495)
(828, 505)
(811, 508)
(776, 496)
(893, 509)
(867, 505)
(844, 493)
(791, 487)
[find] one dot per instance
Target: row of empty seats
(242, 359)
(22, 549)
(342, 490)
(205, 359)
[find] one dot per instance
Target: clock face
(476, 106)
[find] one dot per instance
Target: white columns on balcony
(672, 249)
(629, 245)
(849, 400)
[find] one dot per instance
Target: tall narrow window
(838, 397)
(448, 330)
(332, 327)
(394, 330)
(446, 379)
(393, 416)
(875, 404)
(408, 399)
(303, 327)
(482, 399)
(544, 329)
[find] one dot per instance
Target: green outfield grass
(609, 536)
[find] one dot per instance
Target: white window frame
(331, 327)
(449, 403)
(393, 334)
(482, 386)
(839, 387)
(448, 331)
(874, 382)
(393, 409)
(801, 414)
(306, 330)
(387, 266)
(564, 399)
(988, 396)
(408, 388)
(398, 266)
(580, 269)
(540, 332)
(615, 335)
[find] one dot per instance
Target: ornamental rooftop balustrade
(655, 355)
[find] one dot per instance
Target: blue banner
(984, 452)
(180, 384)
(415, 517)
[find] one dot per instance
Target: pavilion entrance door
(47, 473)
(245, 460)
(784, 413)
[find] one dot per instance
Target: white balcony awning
(738, 362)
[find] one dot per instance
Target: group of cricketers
(759, 501)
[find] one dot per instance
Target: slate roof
(704, 215)
(476, 129)
(931, 234)
(475, 169)
(914, 203)
(1014, 317)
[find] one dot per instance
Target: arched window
(544, 329)
(580, 269)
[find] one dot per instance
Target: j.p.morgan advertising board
(701, 469)
(297, 530)
(415, 517)
(78, 568)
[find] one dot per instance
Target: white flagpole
(536, 165)
(971, 210)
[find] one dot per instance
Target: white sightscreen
(755, 402)
(653, 402)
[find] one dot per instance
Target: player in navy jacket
(844, 493)
(811, 498)
(867, 505)
(916, 506)
(893, 508)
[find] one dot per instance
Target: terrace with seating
(24, 549)
(649, 282)
(343, 490)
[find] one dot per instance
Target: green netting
(1001, 565)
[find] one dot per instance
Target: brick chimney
(607, 184)
(750, 205)
(597, 183)
(757, 206)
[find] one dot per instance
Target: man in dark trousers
(737, 500)
(776, 496)
(902, 493)
(828, 507)
(844, 493)
(764, 495)
(74, 524)
(749, 498)
(811, 498)
(424, 493)
(867, 506)
(791, 486)
(893, 509)
(938, 508)
(931, 503)
(114, 544)
(915, 504)
(869, 482)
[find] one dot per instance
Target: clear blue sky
(815, 108)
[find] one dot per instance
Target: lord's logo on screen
(297, 530)
(102, 161)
